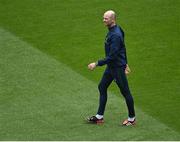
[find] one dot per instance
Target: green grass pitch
(46, 90)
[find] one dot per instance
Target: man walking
(117, 68)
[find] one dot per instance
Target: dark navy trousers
(117, 74)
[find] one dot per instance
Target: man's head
(109, 18)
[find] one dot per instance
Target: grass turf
(43, 99)
(72, 33)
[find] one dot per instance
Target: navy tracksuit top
(114, 49)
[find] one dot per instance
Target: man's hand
(127, 69)
(92, 66)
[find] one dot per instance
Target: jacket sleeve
(124, 47)
(115, 43)
(126, 56)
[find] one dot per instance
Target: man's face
(107, 19)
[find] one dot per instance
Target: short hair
(113, 14)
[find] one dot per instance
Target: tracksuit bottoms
(117, 74)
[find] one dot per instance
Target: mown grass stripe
(42, 99)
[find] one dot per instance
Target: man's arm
(114, 48)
